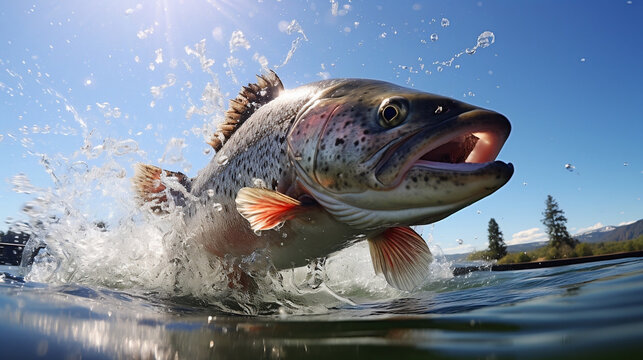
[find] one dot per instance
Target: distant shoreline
(546, 263)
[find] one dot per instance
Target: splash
(293, 27)
(88, 228)
(484, 40)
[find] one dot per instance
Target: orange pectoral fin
(265, 209)
(402, 256)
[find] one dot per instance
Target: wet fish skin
(352, 174)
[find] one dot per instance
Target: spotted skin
(324, 144)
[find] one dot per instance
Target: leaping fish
(306, 172)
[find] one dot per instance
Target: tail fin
(151, 181)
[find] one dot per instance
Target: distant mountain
(612, 233)
(604, 234)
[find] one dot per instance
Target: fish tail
(151, 181)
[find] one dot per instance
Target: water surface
(580, 311)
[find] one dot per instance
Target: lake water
(592, 310)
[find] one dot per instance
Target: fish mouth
(428, 174)
(466, 143)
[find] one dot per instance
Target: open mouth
(466, 143)
(463, 152)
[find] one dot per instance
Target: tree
(497, 247)
(555, 220)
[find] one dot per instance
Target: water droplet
(222, 159)
(259, 183)
(279, 226)
(210, 193)
(258, 232)
(626, 164)
(470, 51)
(284, 235)
(281, 243)
(445, 22)
(479, 212)
(125, 147)
(438, 110)
(434, 37)
(582, 59)
(439, 69)
(460, 241)
(485, 39)
(206, 151)
(217, 206)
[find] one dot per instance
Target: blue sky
(566, 74)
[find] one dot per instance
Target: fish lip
(413, 147)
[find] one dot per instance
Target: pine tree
(497, 247)
(555, 220)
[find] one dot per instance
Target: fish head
(375, 154)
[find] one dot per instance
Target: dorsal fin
(250, 98)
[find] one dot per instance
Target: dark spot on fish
(366, 132)
(338, 156)
(339, 141)
(426, 178)
(323, 147)
(356, 143)
(414, 178)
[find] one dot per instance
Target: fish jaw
(428, 174)
(463, 144)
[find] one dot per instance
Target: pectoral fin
(402, 256)
(266, 209)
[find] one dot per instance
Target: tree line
(560, 245)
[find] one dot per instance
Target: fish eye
(393, 111)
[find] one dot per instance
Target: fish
(306, 172)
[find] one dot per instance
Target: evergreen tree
(555, 220)
(497, 247)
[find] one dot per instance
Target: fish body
(306, 172)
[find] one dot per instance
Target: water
(582, 311)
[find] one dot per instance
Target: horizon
(136, 73)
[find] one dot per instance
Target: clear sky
(567, 74)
